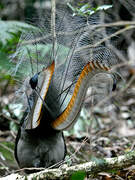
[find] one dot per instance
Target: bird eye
(34, 81)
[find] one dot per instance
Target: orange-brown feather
(87, 69)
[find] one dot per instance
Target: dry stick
(127, 63)
(90, 168)
(53, 13)
(9, 118)
(118, 23)
(6, 133)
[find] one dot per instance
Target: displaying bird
(55, 82)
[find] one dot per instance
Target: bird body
(40, 147)
(55, 91)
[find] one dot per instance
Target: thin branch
(53, 13)
(9, 118)
(90, 168)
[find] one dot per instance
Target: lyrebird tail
(78, 58)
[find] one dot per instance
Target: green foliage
(6, 151)
(9, 37)
(86, 10)
(4, 62)
(80, 175)
(10, 33)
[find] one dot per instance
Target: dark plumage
(39, 147)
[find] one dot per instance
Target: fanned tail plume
(79, 57)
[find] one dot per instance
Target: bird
(55, 83)
(40, 147)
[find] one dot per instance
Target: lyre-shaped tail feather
(34, 117)
(77, 60)
(85, 63)
(33, 53)
(70, 114)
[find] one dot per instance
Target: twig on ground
(90, 168)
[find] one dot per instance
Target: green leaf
(104, 7)
(4, 62)
(71, 7)
(80, 175)
(8, 29)
(6, 151)
(86, 10)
